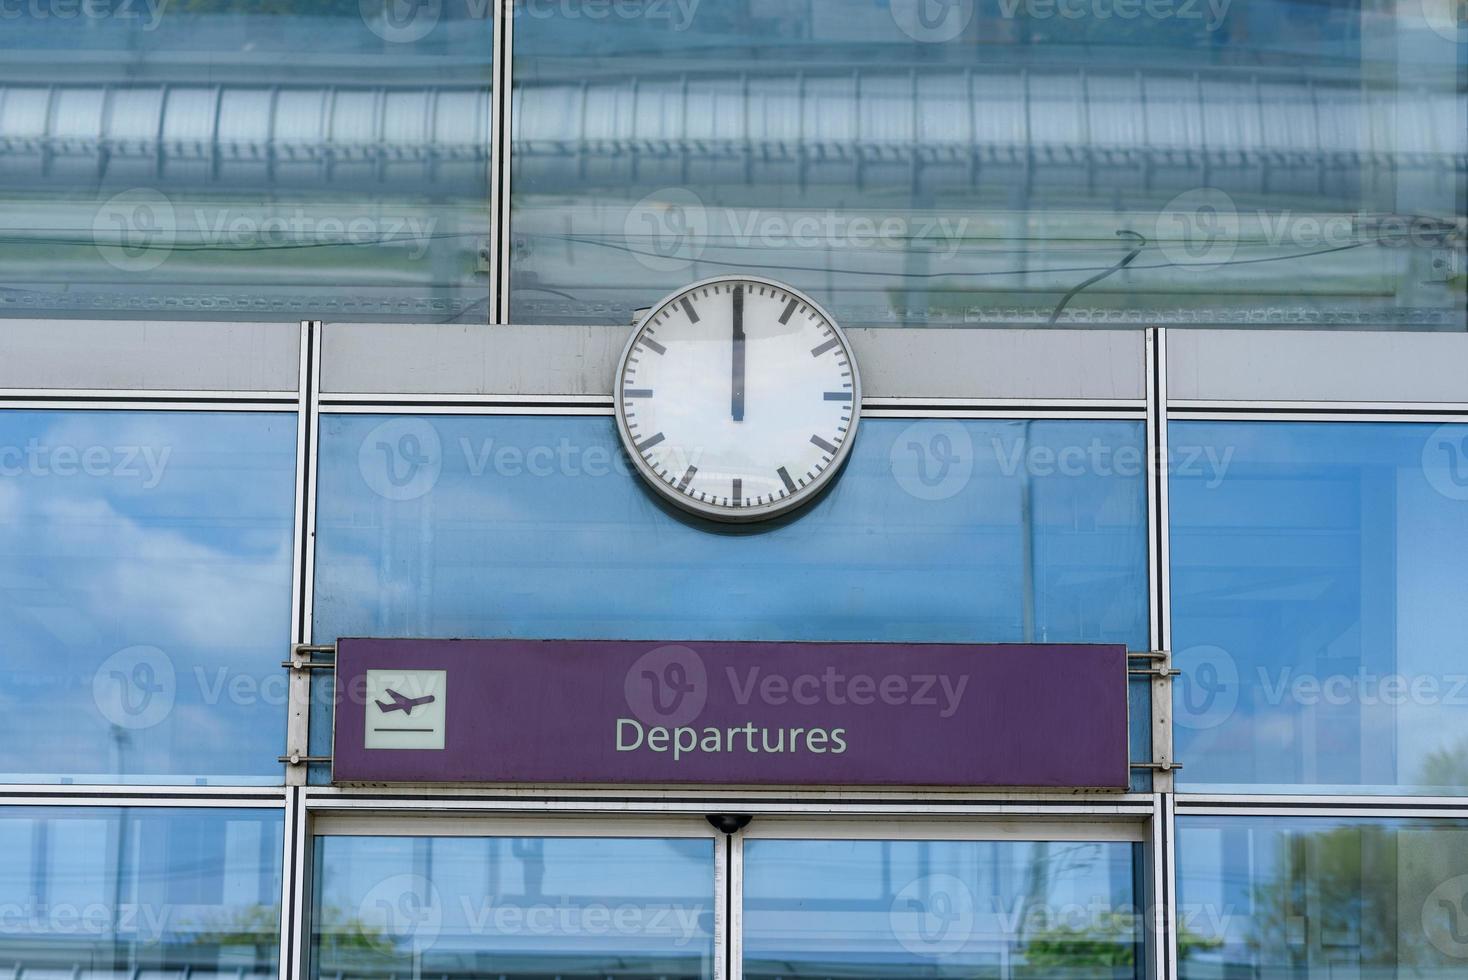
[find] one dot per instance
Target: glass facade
(907, 162)
(1318, 898)
(147, 567)
(403, 186)
(465, 907)
(925, 908)
(918, 163)
(1318, 589)
(238, 159)
(96, 893)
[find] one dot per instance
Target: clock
(737, 398)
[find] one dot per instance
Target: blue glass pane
(245, 159)
(957, 531)
(961, 531)
(101, 893)
(955, 162)
(1318, 589)
(146, 567)
(1320, 899)
(471, 907)
(1004, 910)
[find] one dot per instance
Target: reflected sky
(497, 526)
(146, 569)
(95, 893)
(920, 163)
(1316, 899)
(1318, 589)
(527, 906)
(1000, 909)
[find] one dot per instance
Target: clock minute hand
(736, 401)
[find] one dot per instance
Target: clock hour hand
(736, 401)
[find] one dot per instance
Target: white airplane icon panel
(406, 709)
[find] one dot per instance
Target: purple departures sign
(730, 713)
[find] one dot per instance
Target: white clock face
(738, 398)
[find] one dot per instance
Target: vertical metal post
(1160, 629)
(499, 161)
(298, 705)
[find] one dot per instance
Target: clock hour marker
(838, 396)
(822, 444)
(785, 477)
(649, 442)
(789, 309)
(687, 478)
(818, 351)
(636, 392)
(738, 492)
(653, 345)
(688, 308)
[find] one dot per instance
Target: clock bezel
(759, 512)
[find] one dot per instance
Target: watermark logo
(1207, 691)
(148, 12)
(401, 459)
(933, 915)
(932, 21)
(135, 688)
(405, 910)
(667, 230)
(1445, 461)
(675, 14)
(1445, 917)
(400, 21)
(135, 231)
(933, 460)
(1198, 229)
(1447, 18)
(668, 686)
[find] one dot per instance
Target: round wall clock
(738, 398)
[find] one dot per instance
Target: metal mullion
(1187, 800)
(729, 940)
(65, 395)
(141, 796)
(1341, 415)
(1164, 913)
(499, 156)
(295, 887)
(297, 735)
(1159, 557)
(124, 403)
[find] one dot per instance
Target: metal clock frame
(760, 512)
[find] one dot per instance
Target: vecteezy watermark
(138, 687)
(667, 689)
(146, 464)
(932, 915)
(406, 912)
(669, 230)
(1202, 229)
(1445, 460)
(139, 922)
(1447, 18)
(402, 912)
(143, 15)
(668, 685)
(135, 688)
(1211, 686)
(139, 230)
(1445, 917)
(932, 460)
(932, 21)
(1207, 14)
(404, 458)
(407, 21)
(935, 460)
